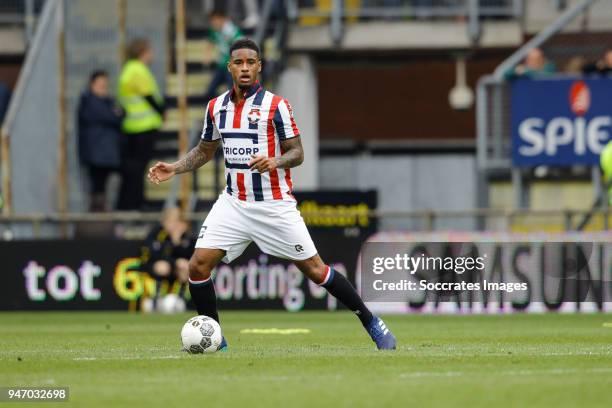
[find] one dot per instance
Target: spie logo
(580, 98)
(577, 138)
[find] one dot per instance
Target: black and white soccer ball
(201, 334)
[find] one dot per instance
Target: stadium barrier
(132, 225)
(97, 265)
(563, 272)
(486, 272)
(105, 275)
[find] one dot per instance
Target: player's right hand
(161, 172)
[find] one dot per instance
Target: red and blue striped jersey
(257, 125)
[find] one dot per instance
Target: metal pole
(517, 187)
(121, 12)
(5, 162)
(474, 21)
(497, 125)
(482, 181)
(568, 217)
(481, 124)
(336, 21)
(596, 181)
(598, 191)
(61, 102)
(181, 66)
(29, 20)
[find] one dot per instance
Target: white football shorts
(277, 227)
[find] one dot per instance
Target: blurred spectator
(606, 167)
(99, 124)
(223, 33)
(574, 65)
(535, 65)
(140, 97)
(251, 12)
(601, 67)
(166, 252)
(5, 96)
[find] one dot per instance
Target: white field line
(275, 331)
(452, 352)
(514, 355)
(127, 358)
(557, 371)
(419, 351)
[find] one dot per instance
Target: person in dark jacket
(99, 136)
(600, 67)
(166, 251)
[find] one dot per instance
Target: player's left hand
(262, 163)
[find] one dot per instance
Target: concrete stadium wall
(408, 183)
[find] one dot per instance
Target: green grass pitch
(121, 359)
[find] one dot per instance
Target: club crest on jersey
(254, 116)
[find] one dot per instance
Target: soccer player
(261, 143)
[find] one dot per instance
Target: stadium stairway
(201, 56)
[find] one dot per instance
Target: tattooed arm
(293, 156)
(194, 159)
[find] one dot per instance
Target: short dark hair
(97, 74)
(244, 43)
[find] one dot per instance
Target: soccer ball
(171, 304)
(201, 334)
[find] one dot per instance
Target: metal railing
(339, 12)
(411, 8)
(21, 13)
(54, 226)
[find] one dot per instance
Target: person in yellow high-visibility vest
(144, 107)
(606, 166)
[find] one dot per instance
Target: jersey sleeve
(210, 131)
(284, 121)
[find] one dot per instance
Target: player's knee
(199, 269)
(314, 268)
(317, 273)
(320, 273)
